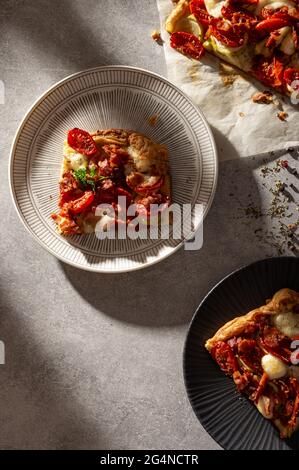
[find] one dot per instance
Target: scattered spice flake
(278, 165)
(253, 211)
(242, 114)
(152, 120)
(283, 237)
(263, 97)
(156, 36)
(282, 115)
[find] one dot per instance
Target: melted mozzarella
(214, 7)
(72, 159)
(287, 323)
(78, 161)
(273, 367)
(288, 46)
(273, 4)
(265, 407)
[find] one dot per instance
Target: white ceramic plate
(99, 98)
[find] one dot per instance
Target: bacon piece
(104, 168)
(261, 388)
(242, 380)
(293, 421)
(67, 187)
(246, 346)
(224, 356)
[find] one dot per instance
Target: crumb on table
(282, 115)
(263, 97)
(156, 35)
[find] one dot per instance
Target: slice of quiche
(258, 351)
(99, 167)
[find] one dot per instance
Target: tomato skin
(269, 72)
(229, 36)
(187, 44)
(81, 141)
(198, 9)
(224, 356)
(271, 24)
(79, 205)
(146, 190)
(126, 194)
(290, 75)
(241, 18)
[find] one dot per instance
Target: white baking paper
(241, 128)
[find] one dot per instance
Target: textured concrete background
(95, 361)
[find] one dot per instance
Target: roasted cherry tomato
(187, 44)
(80, 204)
(81, 141)
(271, 24)
(236, 16)
(148, 189)
(290, 76)
(231, 36)
(198, 9)
(224, 356)
(269, 72)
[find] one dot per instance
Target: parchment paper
(241, 127)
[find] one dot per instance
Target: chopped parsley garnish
(92, 172)
(80, 175)
(83, 177)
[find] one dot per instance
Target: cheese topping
(287, 323)
(274, 367)
(214, 7)
(72, 159)
(265, 407)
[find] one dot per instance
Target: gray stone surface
(95, 361)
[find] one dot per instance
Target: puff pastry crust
(283, 301)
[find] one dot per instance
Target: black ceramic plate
(227, 416)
